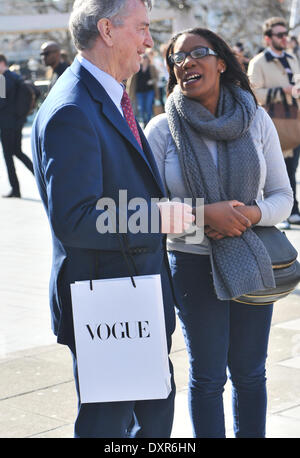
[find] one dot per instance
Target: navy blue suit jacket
(83, 150)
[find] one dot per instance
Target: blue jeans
(145, 102)
(221, 336)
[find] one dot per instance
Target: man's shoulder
(12, 76)
(68, 92)
(259, 58)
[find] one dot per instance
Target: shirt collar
(113, 88)
(275, 55)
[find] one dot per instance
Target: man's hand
(222, 219)
(176, 217)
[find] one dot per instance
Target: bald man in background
(51, 56)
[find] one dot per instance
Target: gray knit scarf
(240, 265)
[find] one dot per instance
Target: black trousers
(11, 139)
(291, 166)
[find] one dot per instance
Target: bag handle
(271, 97)
(123, 251)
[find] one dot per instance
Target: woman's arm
(278, 198)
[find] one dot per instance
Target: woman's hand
(222, 219)
(252, 212)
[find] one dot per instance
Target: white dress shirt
(113, 88)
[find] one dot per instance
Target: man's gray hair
(87, 13)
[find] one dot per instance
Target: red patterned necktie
(129, 116)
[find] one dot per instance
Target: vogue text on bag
(120, 330)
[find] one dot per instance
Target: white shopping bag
(120, 339)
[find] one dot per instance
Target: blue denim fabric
(145, 102)
(221, 336)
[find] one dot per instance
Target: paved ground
(37, 395)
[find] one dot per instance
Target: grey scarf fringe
(240, 265)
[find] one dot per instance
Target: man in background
(51, 55)
(275, 68)
(11, 128)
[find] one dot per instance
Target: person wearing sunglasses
(214, 142)
(276, 68)
(51, 57)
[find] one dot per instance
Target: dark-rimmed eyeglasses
(179, 57)
(280, 34)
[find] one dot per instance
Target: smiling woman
(215, 143)
(213, 45)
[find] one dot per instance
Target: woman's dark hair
(234, 74)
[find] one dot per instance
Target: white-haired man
(87, 145)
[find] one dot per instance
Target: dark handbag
(285, 117)
(286, 268)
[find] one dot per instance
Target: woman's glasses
(179, 57)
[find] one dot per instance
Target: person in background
(293, 46)
(11, 127)
(214, 142)
(163, 75)
(238, 49)
(276, 68)
(64, 57)
(142, 88)
(51, 56)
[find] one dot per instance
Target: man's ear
(267, 40)
(104, 27)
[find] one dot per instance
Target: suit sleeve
(72, 167)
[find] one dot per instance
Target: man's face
(278, 40)
(131, 40)
(50, 56)
(3, 67)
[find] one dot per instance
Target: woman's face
(198, 79)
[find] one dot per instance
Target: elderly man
(87, 145)
(51, 55)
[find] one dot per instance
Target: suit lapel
(110, 111)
